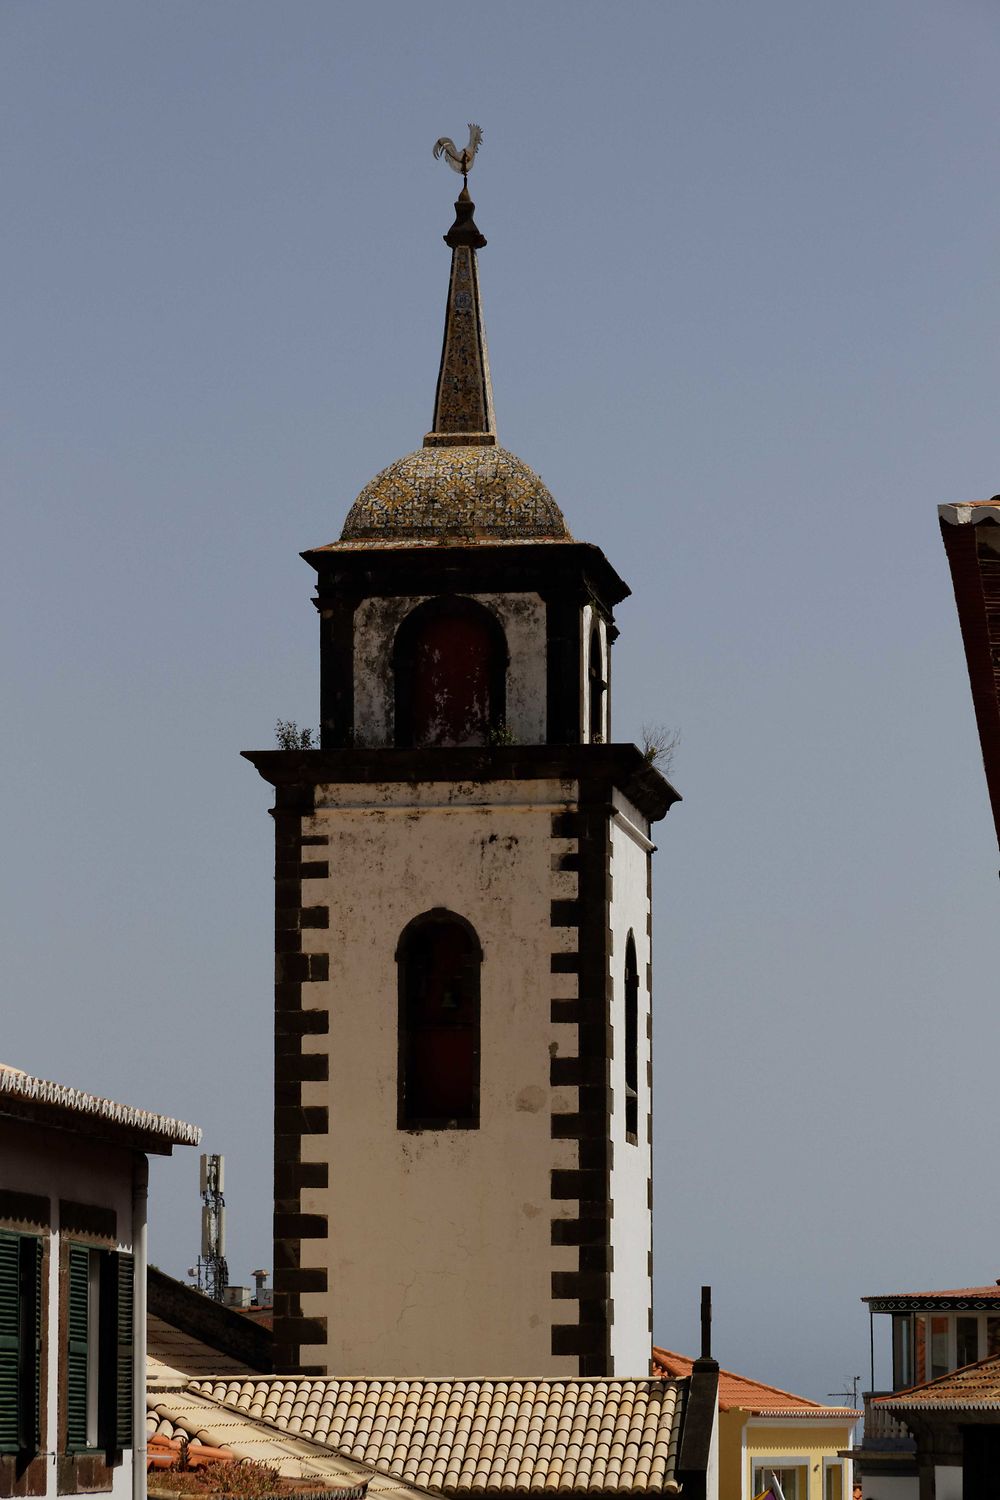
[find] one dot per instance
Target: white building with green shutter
(73, 1178)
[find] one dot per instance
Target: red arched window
(631, 1040)
(438, 960)
(450, 662)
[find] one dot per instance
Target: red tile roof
(736, 1391)
(975, 1387)
(989, 1293)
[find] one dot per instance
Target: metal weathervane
(459, 161)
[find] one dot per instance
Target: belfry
(463, 1074)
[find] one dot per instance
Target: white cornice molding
(17, 1085)
(970, 513)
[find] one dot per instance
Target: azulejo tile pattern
(482, 1437)
(460, 492)
(464, 399)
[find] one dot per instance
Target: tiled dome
(461, 492)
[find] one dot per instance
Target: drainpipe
(140, 1188)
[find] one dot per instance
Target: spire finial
(463, 403)
(459, 161)
(464, 230)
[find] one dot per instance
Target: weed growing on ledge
(659, 745)
(291, 737)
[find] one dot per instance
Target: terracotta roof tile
(197, 1419)
(975, 1387)
(736, 1391)
(481, 1436)
(979, 1293)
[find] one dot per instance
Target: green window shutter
(10, 1317)
(126, 1294)
(30, 1364)
(77, 1349)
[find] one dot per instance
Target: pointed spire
(463, 405)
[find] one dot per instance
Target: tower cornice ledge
(622, 766)
(468, 568)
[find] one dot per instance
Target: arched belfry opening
(450, 673)
(598, 686)
(631, 1040)
(438, 960)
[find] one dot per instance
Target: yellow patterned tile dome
(464, 492)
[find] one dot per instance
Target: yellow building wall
(744, 1440)
(731, 1454)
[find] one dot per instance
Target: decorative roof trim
(940, 1406)
(978, 1299)
(17, 1086)
(800, 1413)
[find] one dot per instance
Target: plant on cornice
(291, 737)
(500, 734)
(659, 745)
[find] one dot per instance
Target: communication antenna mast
(852, 1394)
(212, 1260)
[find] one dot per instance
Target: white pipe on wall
(140, 1193)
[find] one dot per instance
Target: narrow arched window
(438, 959)
(450, 667)
(598, 687)
(631, 1041)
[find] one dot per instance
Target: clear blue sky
(741, 297)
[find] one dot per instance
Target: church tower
(462, 930)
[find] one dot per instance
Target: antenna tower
(212, 1261)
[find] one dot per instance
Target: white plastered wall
(375, 624)
(60, 1165)
(631, 1224)
(895, 1486)
(439, 1250)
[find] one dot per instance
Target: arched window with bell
(438, 960)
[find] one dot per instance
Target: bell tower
(463, 1081)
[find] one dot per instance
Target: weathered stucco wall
(439, 1249)
(375, 624)
(59, 1165)
(631, 1171)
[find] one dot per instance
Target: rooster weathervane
(459, 161)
